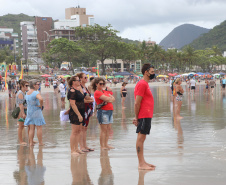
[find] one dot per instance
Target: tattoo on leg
(138, 149)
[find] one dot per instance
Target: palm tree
(156, 54)
(190, 55)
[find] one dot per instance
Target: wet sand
(189, 151)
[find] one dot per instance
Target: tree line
(102, 42)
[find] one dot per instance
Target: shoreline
(118, 86)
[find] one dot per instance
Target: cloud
(134, 19)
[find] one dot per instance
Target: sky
(136, 20)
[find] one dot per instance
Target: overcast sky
(137, 20)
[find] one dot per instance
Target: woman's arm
(20, 96)
(88, 99)
(39, 97)
(181, 89)
(109, 99)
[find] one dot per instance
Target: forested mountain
(182, 35)
(13, 21)
(216, 36)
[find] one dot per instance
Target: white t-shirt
(54, 83)
(62, 88)
(193, 82)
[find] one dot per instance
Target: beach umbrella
(199, 73)
(60, 76)
(174, 74)
(110, 76)
(222, 73)
(141, 75)
(162, 76)
(178, 76)
(119, 76)
(66, 76)
(185, 74)
(45, 75)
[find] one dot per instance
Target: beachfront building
(74, 17)
(9, 39)
(79, 14)
(120, 66)
(35, 36)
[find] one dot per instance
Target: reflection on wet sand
(20, 175)
(141, 176)
(123, 122)
(180, 137)
(79, 170)
(106, 176)
(29, 172)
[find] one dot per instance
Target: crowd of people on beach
(95, 100)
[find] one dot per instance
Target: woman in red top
(105, 109)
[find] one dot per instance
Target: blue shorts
(105, 116)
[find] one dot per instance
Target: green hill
(182, 35)
(216, 36)
(13, 21)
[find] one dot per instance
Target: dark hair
(91, 78)
(80, 75)
(71, 79)
(95, 82)
(22, 83)
(146, 67)
(124, 83)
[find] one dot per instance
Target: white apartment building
(29, 40)
(8, 34)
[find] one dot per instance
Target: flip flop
(90, 150)
(85, 150)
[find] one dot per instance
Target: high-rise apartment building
(9, 38)
(74, 17)
(79, 14)
(35, 37)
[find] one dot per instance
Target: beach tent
(125, 73)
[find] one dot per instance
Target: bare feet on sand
(23, 144)
(110, 147)
(145, 166)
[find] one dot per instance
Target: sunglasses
(26, 85)
(85, 77)
(37, 84)
(102, 83)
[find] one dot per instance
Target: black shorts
(124, 94)
(144, 126)
(223, 85)
(212, 87)
(192, 87)
(55, 86)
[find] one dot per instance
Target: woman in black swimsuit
(76, 112)
(123, 92)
